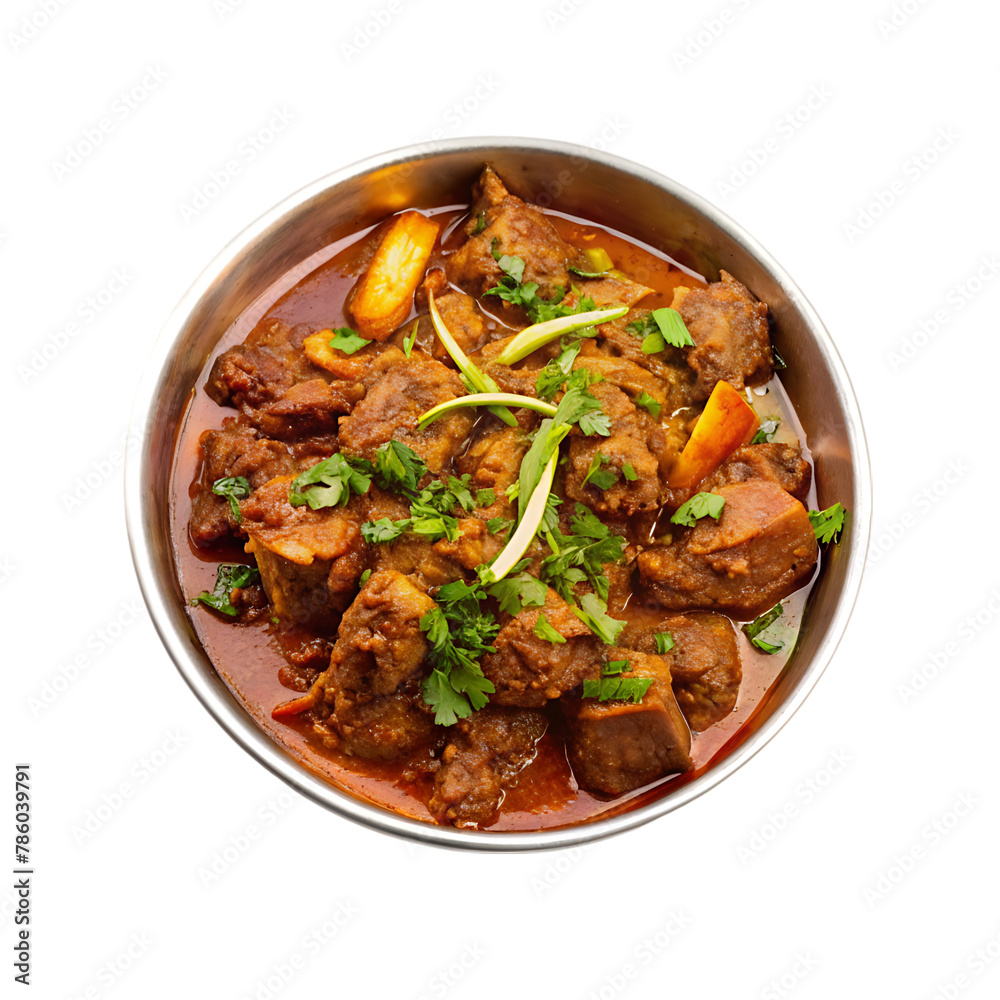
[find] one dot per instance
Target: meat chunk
(306, 408)
(235, 450)
(729, 329)
(636, 440)
(366, 366)
(463, 319)
(520, 231)
(379, 642)
(781, 464)
(309, 560)
(484, 754)
(529, 671)
(704, 663)
(390, 411)
(618, 746)
(612, 290)
(760, 550)
(494, 457)
(474, 546)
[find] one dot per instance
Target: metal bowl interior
(614, 192)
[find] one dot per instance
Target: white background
(882, 881)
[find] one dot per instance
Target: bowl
(603, 188)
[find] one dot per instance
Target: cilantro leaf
(517, 592)
(544, 630)
(486, 498)
(480, 224)
(228, 577)
(766, 432)
(628, 471)
(236, 488)
(497, 524)
(363, 579)
(398, 465)
(335, 478)
(593, 612)
(460, 633)
(348, 341)
(672, 328)
(753, 629)
(603, 479)
(649, 404)
(664, 642)
(613, 687)
(383, 530)
(700, 505)
(828, 524)
(552, 377)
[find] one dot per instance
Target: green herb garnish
(766, 432)
(649, 404)
(664, 642)
(603, 479)
(333, 479)
(518, 591)
(236, 488)
(700, 505)
(828, 524)
(347, 340)
(544, 630)
(613, 687)
(753, 629)
(229, 577)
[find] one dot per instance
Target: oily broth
(251, 657)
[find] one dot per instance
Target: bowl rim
(239, 724)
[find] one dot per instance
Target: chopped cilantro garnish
(430, 508)
(700, 505)
(518, 591)
(664, 642)
(613, 687)
(334, 480)
(498, 524)
(460, 633)
(227, 579)
(580, 556)
(767, 430)
(383, 530)
(363, 579)
(236, 488)
(398, 466)
(779, 361)
(828, 524)
(552, 377)
(544, 630)
(628, 471)
(603, 479)
(593, 612)
(480, 224)
(346, 340)
(410, 340)
(649, 404)
(753, 629)
(486, 498)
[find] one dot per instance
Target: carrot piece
(726, 423)
(384, 295)
(296, 706)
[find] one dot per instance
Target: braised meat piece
(309, 560)
(610, 290)
(494, 457)
(306, 408)
(235, 450)
(529, 671)
(636, 440)
(729, 329)
(390, 411)
(463, 319)
(475, 546)
(704, 663)
(760, 550)
(519, 231)
(782, 464)
(617, 746)
(365, 367)
(484, 753)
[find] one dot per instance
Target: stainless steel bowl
(580, 181)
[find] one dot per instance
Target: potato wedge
(384, 296)
(727, 422)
